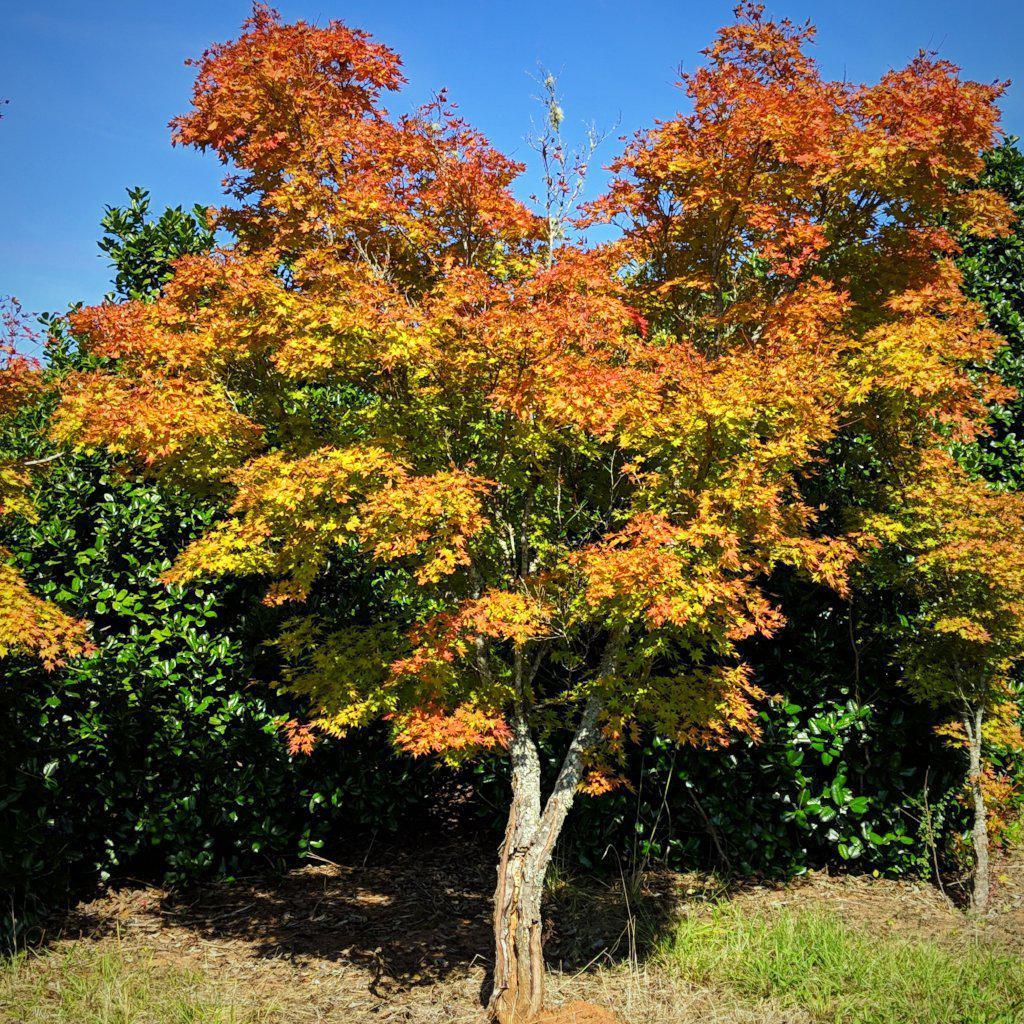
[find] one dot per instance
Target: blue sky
(91, 87)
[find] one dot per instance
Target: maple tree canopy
(28, 625)
(967, 573)
(495, 480)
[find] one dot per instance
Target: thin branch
(565, 170)
(43, 462)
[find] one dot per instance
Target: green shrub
(847, 772)
(161, 754)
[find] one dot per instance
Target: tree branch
(560, 801)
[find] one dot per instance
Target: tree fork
(517, 996)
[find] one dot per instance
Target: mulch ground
(402, 936)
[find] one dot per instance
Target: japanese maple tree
(957, 548)
(515, 486)
(29, 625)
(838, 205)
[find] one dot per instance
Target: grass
(85, 984)
(840, 975)
(729, 964)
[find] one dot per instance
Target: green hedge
(160, 755)
(848, 771)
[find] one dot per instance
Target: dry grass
(404, 940)
(109, 983)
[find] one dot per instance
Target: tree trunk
(517, 996)
(518, 992)
(979, 831)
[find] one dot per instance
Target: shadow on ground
(406, 920)
(404, 937)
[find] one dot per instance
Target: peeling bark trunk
(518, 993)
(517, 996)
(979, 830)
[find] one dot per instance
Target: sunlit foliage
(28, 624)
(541, 455)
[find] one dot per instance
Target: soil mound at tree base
(579, 1012)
